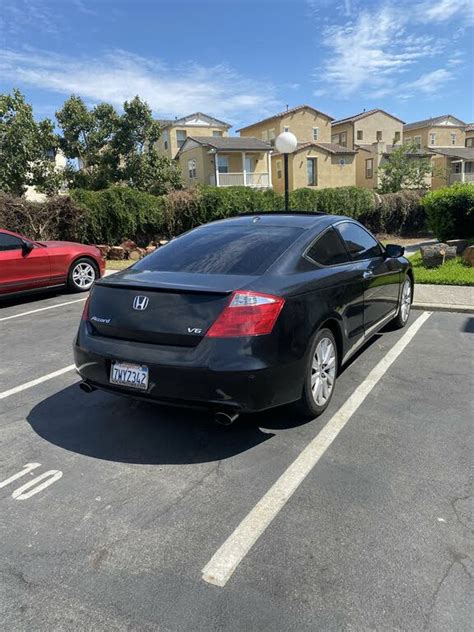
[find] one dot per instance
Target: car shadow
(33, 297)
(115, 428)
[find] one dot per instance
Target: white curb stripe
(224, 562)
(39, 380)
(43, 309)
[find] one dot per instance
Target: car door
(21, 268)
(380, 274)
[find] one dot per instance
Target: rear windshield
(223, 250)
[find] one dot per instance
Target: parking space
(131, 501)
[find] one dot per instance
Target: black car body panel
(248, 373)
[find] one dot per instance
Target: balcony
(458, 177)
(254, 179)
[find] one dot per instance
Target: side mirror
(27, 246)
(394, 250)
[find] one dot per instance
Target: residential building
(445, 137)
(373, 134)
(317, 162)
(469, 135)
(226, 161)
(60, 162)
(176, 131)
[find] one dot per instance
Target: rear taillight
(85, 311)
(247, 314)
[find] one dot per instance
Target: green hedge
(450, 211)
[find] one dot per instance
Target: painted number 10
(33, 486)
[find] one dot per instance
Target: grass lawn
(454, 272)
(118, 265)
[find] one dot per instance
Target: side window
(9, 242)
(328, 250)
(359, 243)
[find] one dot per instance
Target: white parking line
(39, 380)
(224, 562)
(42, 309)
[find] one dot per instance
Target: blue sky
(242, 60)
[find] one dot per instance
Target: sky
(243, 60)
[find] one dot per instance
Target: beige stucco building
(469, 135)
(176, 131)
(317, 162)
(226, 161)
(60, 163)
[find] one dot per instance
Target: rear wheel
(401, 318)
(82, 275)
(320, 376)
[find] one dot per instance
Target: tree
(24, 148)
(404, 169)
(111, 148)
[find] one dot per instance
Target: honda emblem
(140, 303)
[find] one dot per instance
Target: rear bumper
(191, 376)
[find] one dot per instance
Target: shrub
(121, 212)
(450, 211)
(57, 218)
(400, 213)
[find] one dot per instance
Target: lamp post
(285, 144)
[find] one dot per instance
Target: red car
(27, 265)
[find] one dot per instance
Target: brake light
(85, 311)
(247, 314)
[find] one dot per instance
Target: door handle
(367, 274)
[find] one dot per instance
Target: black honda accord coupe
(243, 314)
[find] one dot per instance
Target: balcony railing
(457, 177)
(240, 179)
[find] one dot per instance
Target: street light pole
(285, 144)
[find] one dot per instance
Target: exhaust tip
(225, 419)
(87, 388)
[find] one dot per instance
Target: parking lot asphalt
(131, 501)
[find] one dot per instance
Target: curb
(443, 307)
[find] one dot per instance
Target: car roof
(296, 219)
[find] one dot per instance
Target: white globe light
(286, 143)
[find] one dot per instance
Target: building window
(360, 134)
(192, 168)
(50, 155)
(468, 167)
(180, 137)
(312, 168)
(453, 139)
(165, 139)
(470, 142)
(456, 167)
(315, 133)
(397, 137)
(335, 138)
(223, 164)
(369, 169)
(432, 139)
(286, 129)
(408, 139)
(279, 169)
(417, 141)
(379, 136)
(343, 139)
(217, 132)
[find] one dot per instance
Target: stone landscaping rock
(163, 242)
(436, 254)
(461, 245)
(116, 253)
(149, 249)
(468, 256)
(128, 245)
(104, 250)
(136, 254)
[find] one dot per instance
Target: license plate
(132, 375)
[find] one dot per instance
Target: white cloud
(120, 75)
(444, 10)
(428, 83)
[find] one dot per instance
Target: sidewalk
(450, 298)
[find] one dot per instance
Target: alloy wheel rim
(323, 371)
(406, 300)
(83, 275)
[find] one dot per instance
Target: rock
(128, 245)
(461, 245)
(436, 254)
(163, 242)
(136, 254)
(104, 250)
(149, 249)
(116, 253)
(468, 256)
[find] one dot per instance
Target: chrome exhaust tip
(87, 388)
(225, 419)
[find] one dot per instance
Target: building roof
(361, 115)
(229, 143)
(445, 120)
(469, 127)
(465, 153)
(331, 148)
(185, 120)
(285, 113)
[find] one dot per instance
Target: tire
(82, 274)
(323, 348)
(406, 297)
